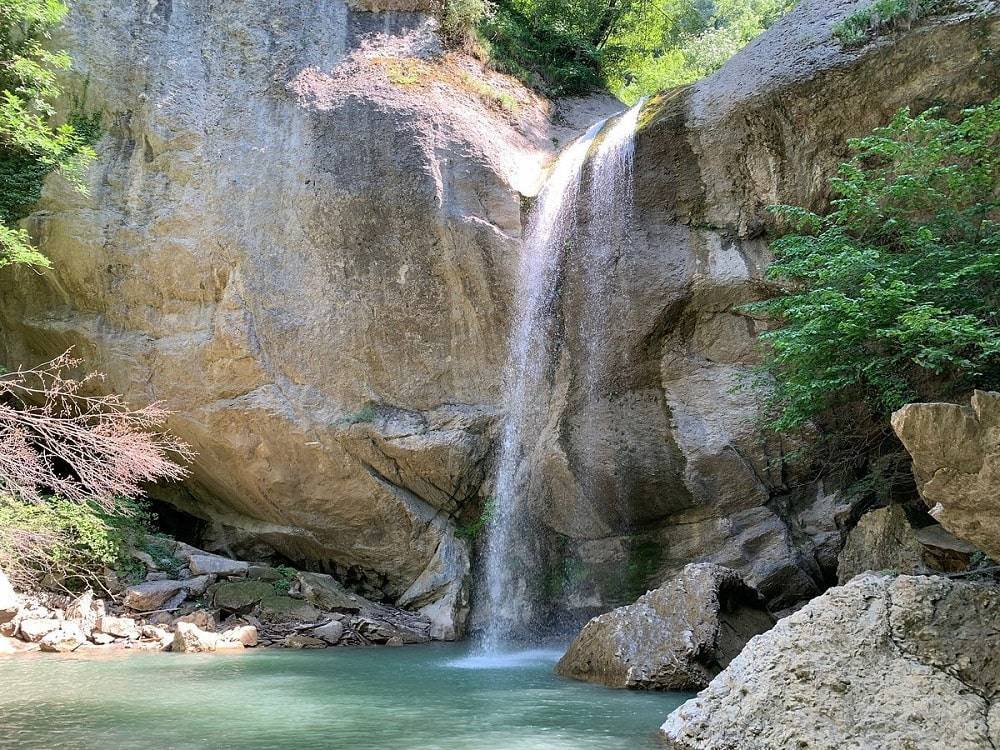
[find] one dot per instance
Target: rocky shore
(195, 601)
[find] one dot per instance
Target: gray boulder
(332, 632)
(677, 637)
(145, 597)
(326, 593)
(882, 541)
(206, 564)
(956, 462)
(880, 664)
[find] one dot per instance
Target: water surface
(434, 697)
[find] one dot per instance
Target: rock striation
(956, 462)
(676, 637)
(881, 663)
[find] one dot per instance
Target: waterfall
(553, 226)
(610, 208)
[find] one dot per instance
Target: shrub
(56, 439)
(66, 544)
(460, 18)
(894, 294)
(30, 147)
(866, 23)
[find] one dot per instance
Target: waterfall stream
(553, 226)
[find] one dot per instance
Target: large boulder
(881, 663)
(956, 462)
(883, 540)
(69, 637)
(151, 595)
(677, 637)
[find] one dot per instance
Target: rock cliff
(879, 664)
(301, 235)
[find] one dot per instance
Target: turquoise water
(433, 697)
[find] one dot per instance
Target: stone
(118, 627)
(943, 551)
(152, 595)
(101, 639)
(205, 564)
(303, 641)
(284, 609)
(198, 585)
(154, 633)
(880, 663)
(331, 632)
(264, 573)
(12, 646)
(68, 637)
(323, 591)
(202, 618)
(10, 603)
(243, 634)
(189, 638)
(883, 540)
(441, 593)
(33, 629)
(676, 637)
(956, 462)
(157, 575)
(240, 596)
(86, 611)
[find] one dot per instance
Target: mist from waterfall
(553, 227)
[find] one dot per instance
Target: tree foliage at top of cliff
(894, 294)
(30, 146)
(634, 47)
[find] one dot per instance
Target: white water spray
(552, 227)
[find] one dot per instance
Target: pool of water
(434, 697)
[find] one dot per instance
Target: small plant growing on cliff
(894, 294)
(30, 147)
(866, 23)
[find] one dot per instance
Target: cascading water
(610, 208)
(552, 223)
(552, 227)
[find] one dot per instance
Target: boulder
(324, 591)
(240, 596)
(881, 663)
(13, 646)
(205, 564)
(943, 551)
(284, 608)
(118, 627)
(956, 462)
(156, 634)
(86, 611)
(331, 632)
(152, 595)
(68, 637)
(201, 618)
(189, 638)
(33, 629)
(884, 541)
(10, 603)
(197, 585)
(246, 635)
(677, 637)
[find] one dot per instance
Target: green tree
(634, 47)
(30, 146)
(894, 294)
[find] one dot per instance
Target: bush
(460, 18)
(65, 544)
(862, 25)
(894, 294)
(30, 147)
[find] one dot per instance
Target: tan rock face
(677, 637)
(882, 541)
(956, 462)
(307, 261)
(301, 236)
(880, 663)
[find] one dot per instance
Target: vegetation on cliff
(633, 47)
(30, 145)
(893, 295)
